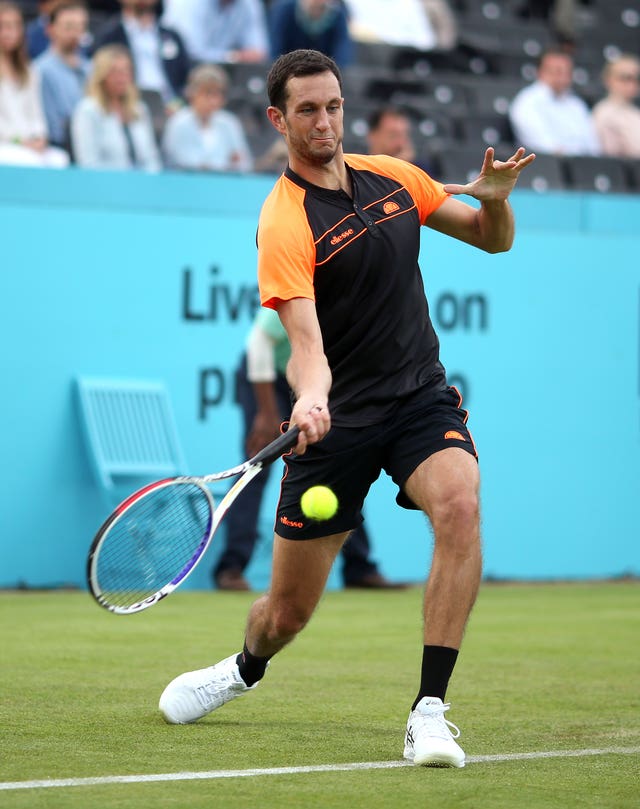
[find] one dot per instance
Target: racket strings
(153, 542)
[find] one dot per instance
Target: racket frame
(248, 470)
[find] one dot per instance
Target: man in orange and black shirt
(338, 245)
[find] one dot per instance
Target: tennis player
(338, 245)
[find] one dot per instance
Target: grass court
(551, 670)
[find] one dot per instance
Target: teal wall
(154, 277)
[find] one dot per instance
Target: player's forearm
(496, 226)
(309, 376)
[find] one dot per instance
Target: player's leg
(445, 486)
(300, 572)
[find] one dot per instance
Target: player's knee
(457, 514)
(287, 621)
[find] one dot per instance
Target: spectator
(23, 129)
(389, 132)
(616, 117)
(422, 24)
(443, 22)
(220, 30)
(159, 55)
(111, 127)
(63, 68)
(561, 15)
(547, 116)
(313, 24)
(204, 136)
(37, 35)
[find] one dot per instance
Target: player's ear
(276, 116)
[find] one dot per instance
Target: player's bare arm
(491, 227)
(308, 370)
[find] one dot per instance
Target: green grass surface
(543, 668)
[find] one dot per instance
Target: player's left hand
(496, 179)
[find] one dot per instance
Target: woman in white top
(23, 130)
(203, 136)
(111, 127)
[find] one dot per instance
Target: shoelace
(207, 692)
(437, 724)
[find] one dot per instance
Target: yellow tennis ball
(319, 503)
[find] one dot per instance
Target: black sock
(251, 668)
(437, 667)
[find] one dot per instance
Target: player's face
(313, 120)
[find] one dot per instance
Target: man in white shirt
(547, 116)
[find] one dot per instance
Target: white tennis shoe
(196, 693)
(429, 740)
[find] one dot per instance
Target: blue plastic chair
(130, 432)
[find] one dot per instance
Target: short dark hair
(387, 110)
(68, 5)
(555, 50)
(293, 65)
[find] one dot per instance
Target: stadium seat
(603, 174)
(376, 54)
(610, 39)
(129, 431)
(251, 111)
(632, 168)
(458, 164)
(544, 174)
(494, 95)
(485, 130)
(432, 124)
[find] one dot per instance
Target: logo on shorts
(454, 434)
(291, 523)
(390, 207)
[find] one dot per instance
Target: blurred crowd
(143, 84)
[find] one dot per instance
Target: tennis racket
(155, 538)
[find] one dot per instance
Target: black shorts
(348, 460)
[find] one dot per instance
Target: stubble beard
(305, 152)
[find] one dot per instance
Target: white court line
(363, 765)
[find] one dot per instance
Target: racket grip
(275, 449)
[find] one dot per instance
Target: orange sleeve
(286, 251)
(427, 193)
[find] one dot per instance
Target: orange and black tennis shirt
(357, 258)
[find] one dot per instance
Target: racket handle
(275, 449)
